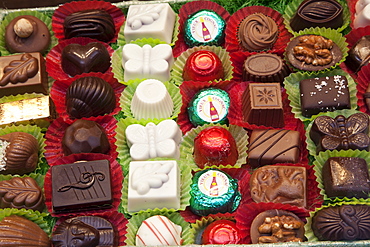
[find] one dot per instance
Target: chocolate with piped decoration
(23, 73)
(322, 94)
(215, 146)
(89, 96)
(85, 136)
(318, 13)
(81, 186)
(345, 222)
(19, 153)
(94, 23)
(341, 133)
(84, 231)
(257, 32)
(359, 54)
(279, 184)
(221, 232)
(27, 33)
(203, 65)
(21, 192)
(265, 67)
(18, 231)
(78, 59)
(262, 104)
(275, 226)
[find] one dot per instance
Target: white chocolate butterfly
(153, 141)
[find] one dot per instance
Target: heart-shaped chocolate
(78, 59)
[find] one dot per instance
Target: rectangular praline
(262, 105)
(23, 73)
(81, 186)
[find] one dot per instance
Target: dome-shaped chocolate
(90, 96)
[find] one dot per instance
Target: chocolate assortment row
(144, 125)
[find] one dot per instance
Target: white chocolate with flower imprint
(362, 15)
(153, 184)
(155, 21)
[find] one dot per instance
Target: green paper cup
(291, 84)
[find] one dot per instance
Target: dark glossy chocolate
(275, 226)
(89, 96)
(318, 13)
(322, 94)
(265, 67)
(346, 177)
(359, 54)
(346, 222)
(78, 59)
(221, 232)
(84, 231)
(85, 136)
(95, 24)
(18, 231)
(23, 73)
(367, 97)
(81, 186)
(20, 153)
(268, 147)
(279, 184)
(21, 192)
(341, 133)
(37, 41)
(262, 105)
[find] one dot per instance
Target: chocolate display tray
(124, 6)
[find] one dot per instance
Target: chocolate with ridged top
(345, 222)
(89, 96)
(95, 24)
(359, 54)
(78, 59)
(318, 13)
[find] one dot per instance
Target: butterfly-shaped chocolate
(341, 133)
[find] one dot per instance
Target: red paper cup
(363, 82)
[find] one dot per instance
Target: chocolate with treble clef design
(81, 186)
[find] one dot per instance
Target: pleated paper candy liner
(188, 89)
(292, 82)
(190, 8)
(246, 213)
(179, 65)
(116, 175)
(313, 197)
(363, 82)
(9, 17)
(117, 219)
(60, 87)
(185, 182)
(135, 222)
(36, 131)
(310, 144)
(328, 33)
(352, 9)
(308, 226)
(54, 57)
(76, 6)
(128, 93)
(54, 136)
(232, 40)
(187, 145)
(292, 7)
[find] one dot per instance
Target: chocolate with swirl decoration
(345, 222)
(257, 32)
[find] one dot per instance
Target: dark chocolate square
(346, 177)
(81, 186)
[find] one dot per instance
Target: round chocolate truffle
(84, 136)
(27, 33)
(257, 32)
(90, 96)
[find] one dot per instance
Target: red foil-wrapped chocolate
(221, 232)
(215, 146)
(203, 66)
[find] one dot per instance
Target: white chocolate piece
(153, 184)
(151, 100)
(361, 4)
(151, 141)
(147, 62)
(362, 18)
(155, 21)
